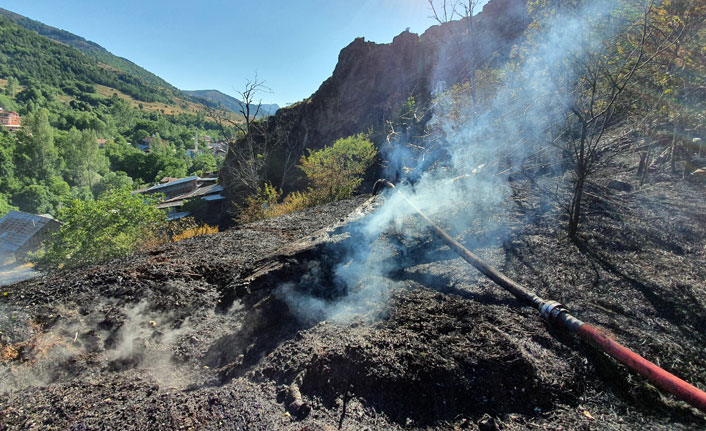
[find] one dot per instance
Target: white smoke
(463, 175)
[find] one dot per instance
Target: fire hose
(556, 314)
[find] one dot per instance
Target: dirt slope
(198, 335)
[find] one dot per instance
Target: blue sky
(217, 44)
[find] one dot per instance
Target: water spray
(557, 315)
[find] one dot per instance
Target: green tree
(167, 165)
(115, 225)
(36, 156)
(335, 172)
(12, 85)
(5, 206)
(84, 161)
(44, 197)
(8, 182)
(33, 198)
(204, 162)
(7, 103)
(112, 181)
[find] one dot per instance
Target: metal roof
(16, 228)
(171, 204)
(201, 191)
(176, 216)
(173, 183)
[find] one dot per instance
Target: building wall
(11, 120)
(37, 239)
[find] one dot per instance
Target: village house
(218, 148)
(177, 191)
(21, 233)
(11, 120)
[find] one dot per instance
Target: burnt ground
(198, 334)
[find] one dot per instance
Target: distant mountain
(217, 99)
(92, 49)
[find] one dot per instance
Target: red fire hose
(555, 313)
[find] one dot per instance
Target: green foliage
(335, 172)
(89, 48)
(202, 163)
(36, 156)
(42, 198)
(83, 161)
(61, 151)
(112, 181)
(7, 103)
(28, 56)
(115, 225)
(33, 198)
(258, 205)
(12, 86)
(8, 182)
(162, 161)
(5, 206)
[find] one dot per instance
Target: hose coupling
(550, 310)
(557, 314)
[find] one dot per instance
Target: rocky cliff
(371, 81)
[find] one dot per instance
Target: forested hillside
(28, 56)
(83, 121)
(90, 48)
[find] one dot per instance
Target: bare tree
(445, 11)
(592, 103)
(249, 143)
(292, 149)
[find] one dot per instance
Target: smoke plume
(464, 172)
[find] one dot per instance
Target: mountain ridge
(89, 48)
(371, 82)
(220, 99)
(212, 98)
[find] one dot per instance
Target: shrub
(335, 172)
(257, 206)
(115, 225)
(196, 230)
(294, 201)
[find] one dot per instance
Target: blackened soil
(197, 334)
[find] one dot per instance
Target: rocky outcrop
(371, 81)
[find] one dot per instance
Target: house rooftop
(16, 228)
(172, 183)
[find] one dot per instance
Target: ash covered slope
(197, 335)
(371, 81)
